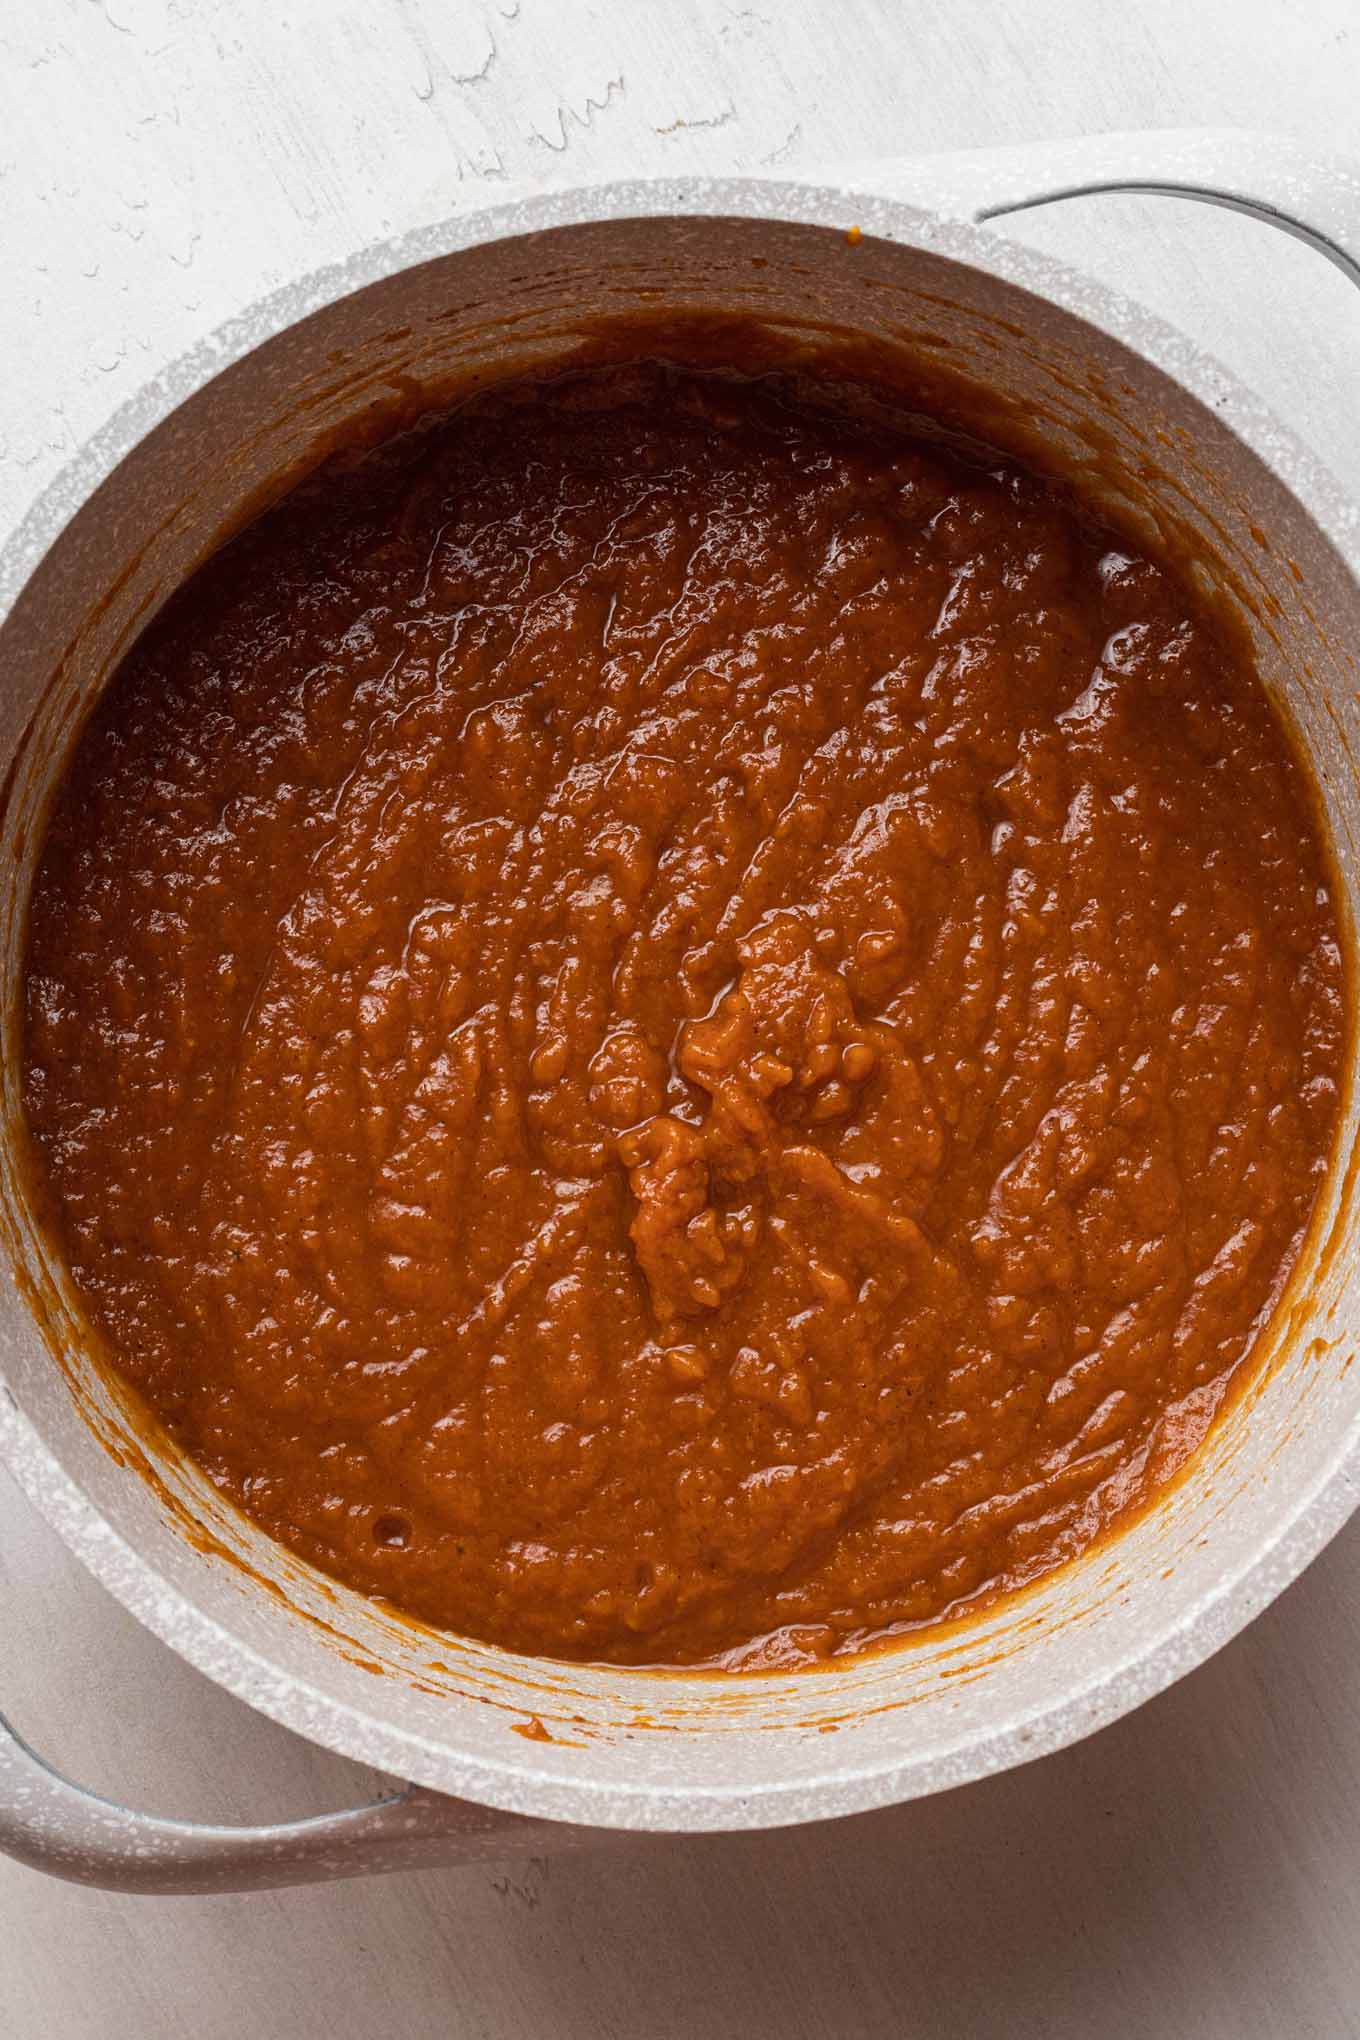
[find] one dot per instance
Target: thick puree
(662, 1024)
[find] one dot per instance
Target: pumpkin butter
(668, 1025)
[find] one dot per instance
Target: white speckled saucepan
(505, 1752)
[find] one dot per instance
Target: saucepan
(497, 1753)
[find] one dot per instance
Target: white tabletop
(1194, 1870)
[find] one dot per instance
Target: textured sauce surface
(661, 1024)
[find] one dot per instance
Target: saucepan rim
(1314, 1514)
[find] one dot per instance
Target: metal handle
(53, 1825)
(1313, 196)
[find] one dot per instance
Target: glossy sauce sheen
(661, 1024)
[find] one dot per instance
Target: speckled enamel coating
(632, 1750)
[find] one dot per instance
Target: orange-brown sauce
(663, 1024)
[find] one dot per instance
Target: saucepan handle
(53, 1825)
(1306, 193)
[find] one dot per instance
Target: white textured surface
(1190, 1870)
